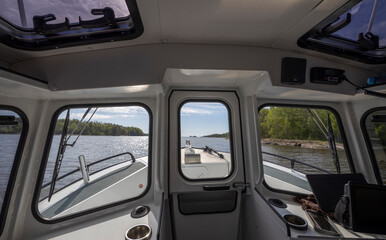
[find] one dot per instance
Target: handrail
(293, 161)
(91, 164)
(118, 155)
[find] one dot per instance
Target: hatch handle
(332, 28)
(108, 18)
(41, 26)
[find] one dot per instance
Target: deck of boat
(87, 191)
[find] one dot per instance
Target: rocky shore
(300, 143)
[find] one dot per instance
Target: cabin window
(354, 31)
(205, 140)
(48, 24)
(300, 140)
(13, 129)
(98, 156)
(374, 126)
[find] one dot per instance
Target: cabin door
(206, 173)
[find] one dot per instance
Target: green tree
(295, 123)
(98, 129)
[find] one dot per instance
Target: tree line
(98, 129)
(218, 135)
(295, 123)
(12, 129)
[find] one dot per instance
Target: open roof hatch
(24, 24)
(355, 31)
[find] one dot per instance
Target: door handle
(216, 187)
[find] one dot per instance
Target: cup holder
(277, 203)
(140, 211)
(138, 232)
(295, 221)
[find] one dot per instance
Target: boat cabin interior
(179, 120)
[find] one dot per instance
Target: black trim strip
(172, 216)
(341, 130)
(216, 187)
(39, 181)
(161, 213)
(369, 146)
(16, 164)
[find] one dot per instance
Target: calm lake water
(97, 147)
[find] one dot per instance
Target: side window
(12, 132)
(205, 140)
(297, 141)
(98, 156)
(375, 132)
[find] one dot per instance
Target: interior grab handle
(216, 187)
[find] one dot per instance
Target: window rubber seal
(15, 165)
(230, 138)
(47, 148)
(369, 146)
(341, 130)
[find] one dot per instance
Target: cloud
(191, 110)
(96, 116)
(216, 106)
(132, 110)
(204, 108)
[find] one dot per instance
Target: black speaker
(293, 70)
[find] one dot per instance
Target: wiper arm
(317, 123)
(332, 144)
(84, 127)
(329, 134)
(60, 155)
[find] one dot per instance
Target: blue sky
(360, 19)
(197, 118)
(203, 118)
(131, 116)
(8, 113)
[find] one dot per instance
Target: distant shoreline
(300, 143)
(218, 135)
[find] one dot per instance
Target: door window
(205, 140)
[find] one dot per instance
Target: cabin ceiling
(243, 22)
(267, 25)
